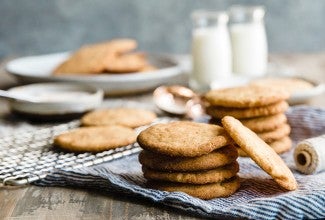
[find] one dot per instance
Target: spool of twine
(309, 155)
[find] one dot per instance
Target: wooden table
(32, 202)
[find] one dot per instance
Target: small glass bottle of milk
(248, 39)
(211, 49)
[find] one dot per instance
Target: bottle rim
(240, 13)
(220, 16)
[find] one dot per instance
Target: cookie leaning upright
(260, 152)
(259, 108)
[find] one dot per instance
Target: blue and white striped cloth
(258, 198)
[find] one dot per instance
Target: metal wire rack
(30, 156)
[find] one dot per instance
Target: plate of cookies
(113, 66)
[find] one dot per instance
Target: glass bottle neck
(246, 14)
(207, 19)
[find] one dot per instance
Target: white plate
(302, 97)
(39, 68)
(55, 99)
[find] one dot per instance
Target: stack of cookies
(195, 158)
(260, 109)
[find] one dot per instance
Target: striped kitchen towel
(259, 197)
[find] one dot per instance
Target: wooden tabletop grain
(32, 202)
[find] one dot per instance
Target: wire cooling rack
(30, 156)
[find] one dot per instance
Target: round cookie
(240, 113)
(198, 177)
(241, 153)
(148, 68)
(265, 123)
(128, 117)
(245, 96)
(278, 133)
(122, 45)
(280, 146)
(183, 138)
(203, 191)
(217, 158)
(260, 152)
(95, 139)
(126, 63)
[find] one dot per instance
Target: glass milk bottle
(211, 50)
(248, 39)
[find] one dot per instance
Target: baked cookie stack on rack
(260, 109)
(195, 158)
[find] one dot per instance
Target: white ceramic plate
(55, 99)
(39, 68)
(302, 97)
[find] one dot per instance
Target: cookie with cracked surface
(260, 152)
(195, 177)
(129, 117)
(183, 138)
(243, 113)
(245, 96)
(217, 158)
(95, 139)
(202, 191)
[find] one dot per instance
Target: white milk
(248, 39)
(249, 47)
(211, 55)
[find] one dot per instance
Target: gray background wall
(45, 26)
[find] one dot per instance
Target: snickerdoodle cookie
(129, 117)
(260, 152)
(95, 139)
(183, 138)
(216, 158)
(195, 177)
(245, 97)
(243, 113)
(202, 191)
(265, 123)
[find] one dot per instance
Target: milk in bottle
(211, 49)
(248, 39)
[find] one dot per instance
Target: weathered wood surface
(34, 202)
(66, 203)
